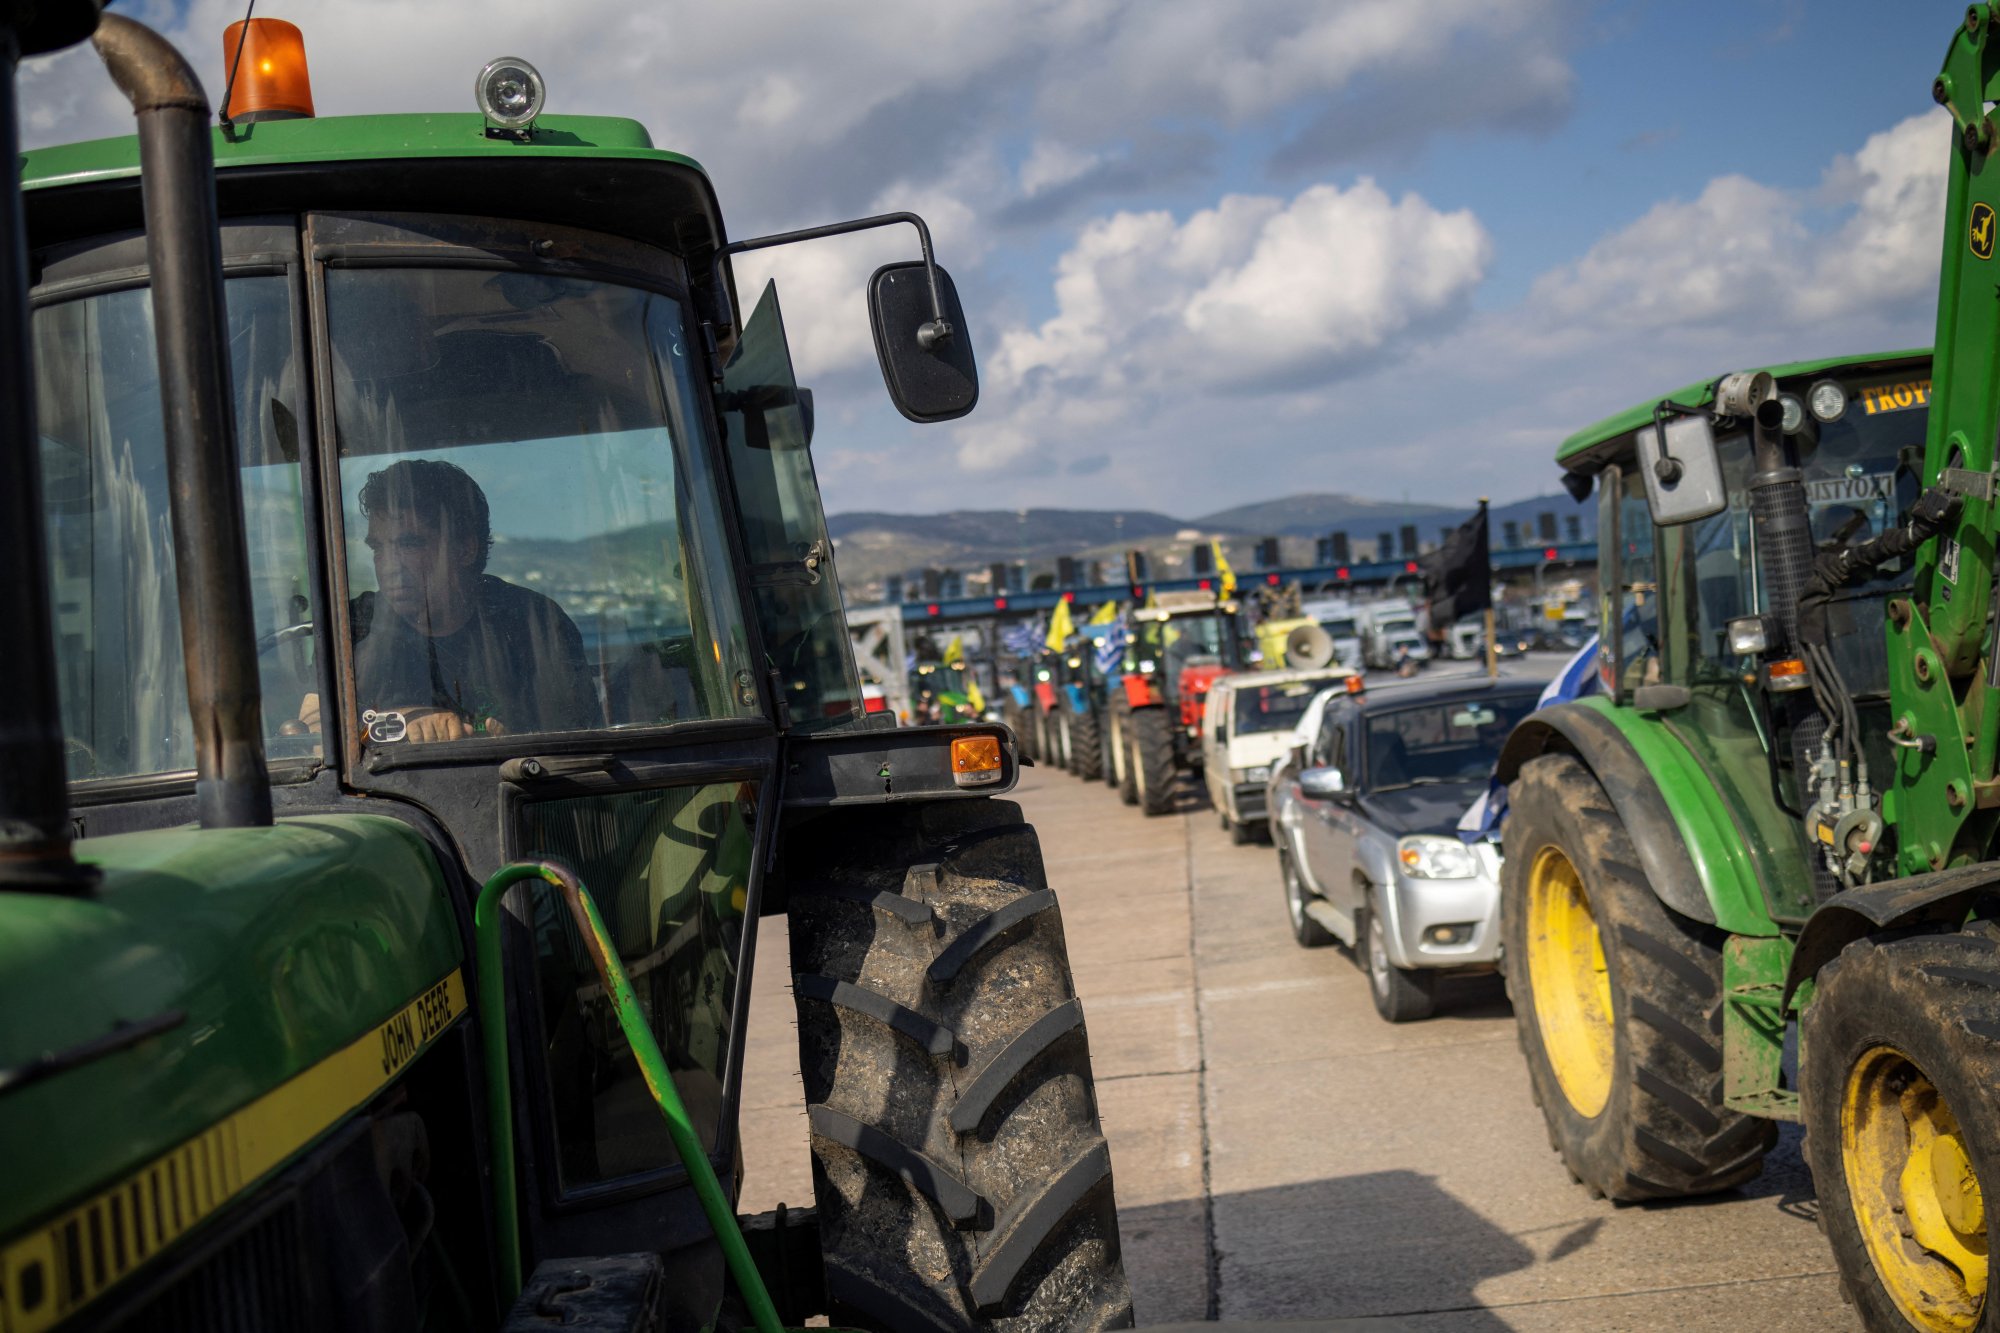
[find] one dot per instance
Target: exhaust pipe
(211, 565)
(34, 793)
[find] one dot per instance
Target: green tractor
(1777, 819)
(427, 668)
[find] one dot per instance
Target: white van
(1387, 626)
(1246, 728)
(1336, 616)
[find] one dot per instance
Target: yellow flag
(974, 697)
(1152, 602)
(1060, 627)
(1105, 614)
(954, 652)
(1222, 568)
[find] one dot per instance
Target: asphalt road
(1282, 1154)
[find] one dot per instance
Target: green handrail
(486, 923)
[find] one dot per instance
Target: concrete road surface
(1282, 1154)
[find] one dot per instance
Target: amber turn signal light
(271, 80)
(975, 760)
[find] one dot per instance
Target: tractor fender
(1601, 744)
(1942, 898)
(1079, 702)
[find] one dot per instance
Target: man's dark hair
(443, 492)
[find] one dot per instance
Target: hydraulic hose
(211, 564)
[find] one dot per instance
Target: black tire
(1149, 754)
(1309, 933)
(961, 1175)
(1124, 773)
(1240, 833)
(1662, 1130)
(1935, 1000)
(1086, 741)
(1401, 994)
(1023, 727)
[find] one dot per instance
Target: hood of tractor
(255, 954)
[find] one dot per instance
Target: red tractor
(1178, 645)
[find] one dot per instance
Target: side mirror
(1682, 471)
(1221, 731)
(1322, 783)
(929, 371)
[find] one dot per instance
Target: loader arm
(1944, 680)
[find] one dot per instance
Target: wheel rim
(1572, 989)
(1294, 895)
(1916, 1197)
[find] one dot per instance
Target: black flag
(1458, 576)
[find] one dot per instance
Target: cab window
(111, 542)
(533, 543)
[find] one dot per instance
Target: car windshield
(1340, 627)
(1455, 740)
(533, 544)
(1275, 707)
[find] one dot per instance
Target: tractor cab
(1686, 609)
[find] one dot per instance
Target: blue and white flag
(1111, 650)
(1577, 678)
(1023, 639)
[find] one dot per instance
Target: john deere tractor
(1778, 817)
(425, 667)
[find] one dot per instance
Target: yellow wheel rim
(1572, 990)
(1915, 1195)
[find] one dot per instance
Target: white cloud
(1252, 292)
(1770, 259)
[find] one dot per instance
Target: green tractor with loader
(1756, 876)
(426, 671)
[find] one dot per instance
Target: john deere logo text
(1982, 231)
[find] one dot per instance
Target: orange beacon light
(271, 80)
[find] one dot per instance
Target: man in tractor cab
(444, 650)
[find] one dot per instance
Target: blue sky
(1215, 253)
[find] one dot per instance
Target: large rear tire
(1617, 1001)
(1086, 742)
(962, 1178)
(1902, 1041)
(1150, 756)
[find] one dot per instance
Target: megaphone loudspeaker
(1309, 647)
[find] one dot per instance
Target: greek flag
(1111, 650)
(1577, 678)
(1024, 639)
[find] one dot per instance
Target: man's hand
(440, 724)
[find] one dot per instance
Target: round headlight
(510, 93)
(1795, 413)
(1827, 400)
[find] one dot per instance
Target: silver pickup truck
(1365, 822)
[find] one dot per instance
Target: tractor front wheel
(1124, 773)
(1617, 1001)
(962, 1178)
(1902, 1130)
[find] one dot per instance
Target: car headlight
(1437, 858)
(1258, 774)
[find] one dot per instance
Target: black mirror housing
(929, 378)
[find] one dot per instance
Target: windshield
(1455, 741)
(111, 545)
(1275, 707)
(1341, 627)
(532, 544)
(1855, 489)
